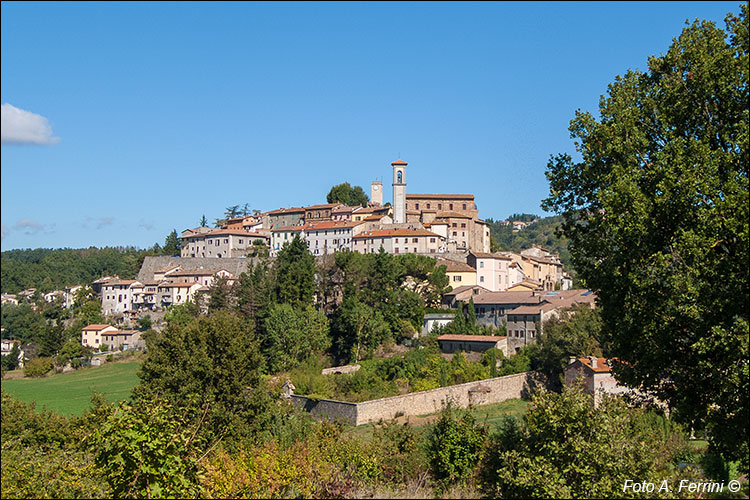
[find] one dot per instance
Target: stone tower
(399, 191)
(376, 193)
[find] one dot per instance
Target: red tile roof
(413, 196)
(281, 211)
(602, 364)
(496, 255)
(399, 162)
(451, 266)
(96, 327)
(335, 224)
(323, 206)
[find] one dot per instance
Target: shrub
(37, 367)
(455, 444)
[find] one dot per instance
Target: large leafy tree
(206, 363)
(348, 195)
(657, 216)
(293, 334)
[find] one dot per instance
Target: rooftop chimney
(592, 360)
(571, 360)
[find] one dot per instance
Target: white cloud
(24, 127)
(30, 226)
(97, 222)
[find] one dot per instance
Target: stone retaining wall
(482, 392)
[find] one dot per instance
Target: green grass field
(70, 393)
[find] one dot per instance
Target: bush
(455, 445)
(37, 367)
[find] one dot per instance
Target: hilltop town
(516, 291)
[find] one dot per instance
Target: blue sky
(126, 120)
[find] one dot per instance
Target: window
(463, 224)
(240, 242)
(440, 206)
(457, 278)
(396, 240)
(481, 279)
(455, 233)
(451, 206)
(432, 240)
(395, 250)
(481, 264)
(226, 240)
(454, 225)
(399, 177)
(464, 206)
(417, 206)
(414, 240)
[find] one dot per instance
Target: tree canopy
(348, 195)
(657, 216)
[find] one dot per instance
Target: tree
(348, 195)
(657, 216)
(293, 334)
(204, 221)
(359, 329)
(296, 273)
(455, 444)
(573, 332)
(207, 362)
(566, 448)
(171, 244)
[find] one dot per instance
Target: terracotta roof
(464, 288)
(602, 364)
(373, 217)
(324, 205)
(292, 210)
(485, 255)
(335, 224)
(399, 162)
(232, 232)
(532, 309)
(440, 196)
(451, 266)
(470, 338)
(522, 297)
(95, 327)
(387, 233)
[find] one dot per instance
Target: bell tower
(376, 193)
(399, 191)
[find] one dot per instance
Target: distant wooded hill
(49, 269)
(541, 232)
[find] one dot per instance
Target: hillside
(49, 269)
(542, 233)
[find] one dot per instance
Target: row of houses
(522, 313)
(532, 269)
(171, 285)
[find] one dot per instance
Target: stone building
(398, 241)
